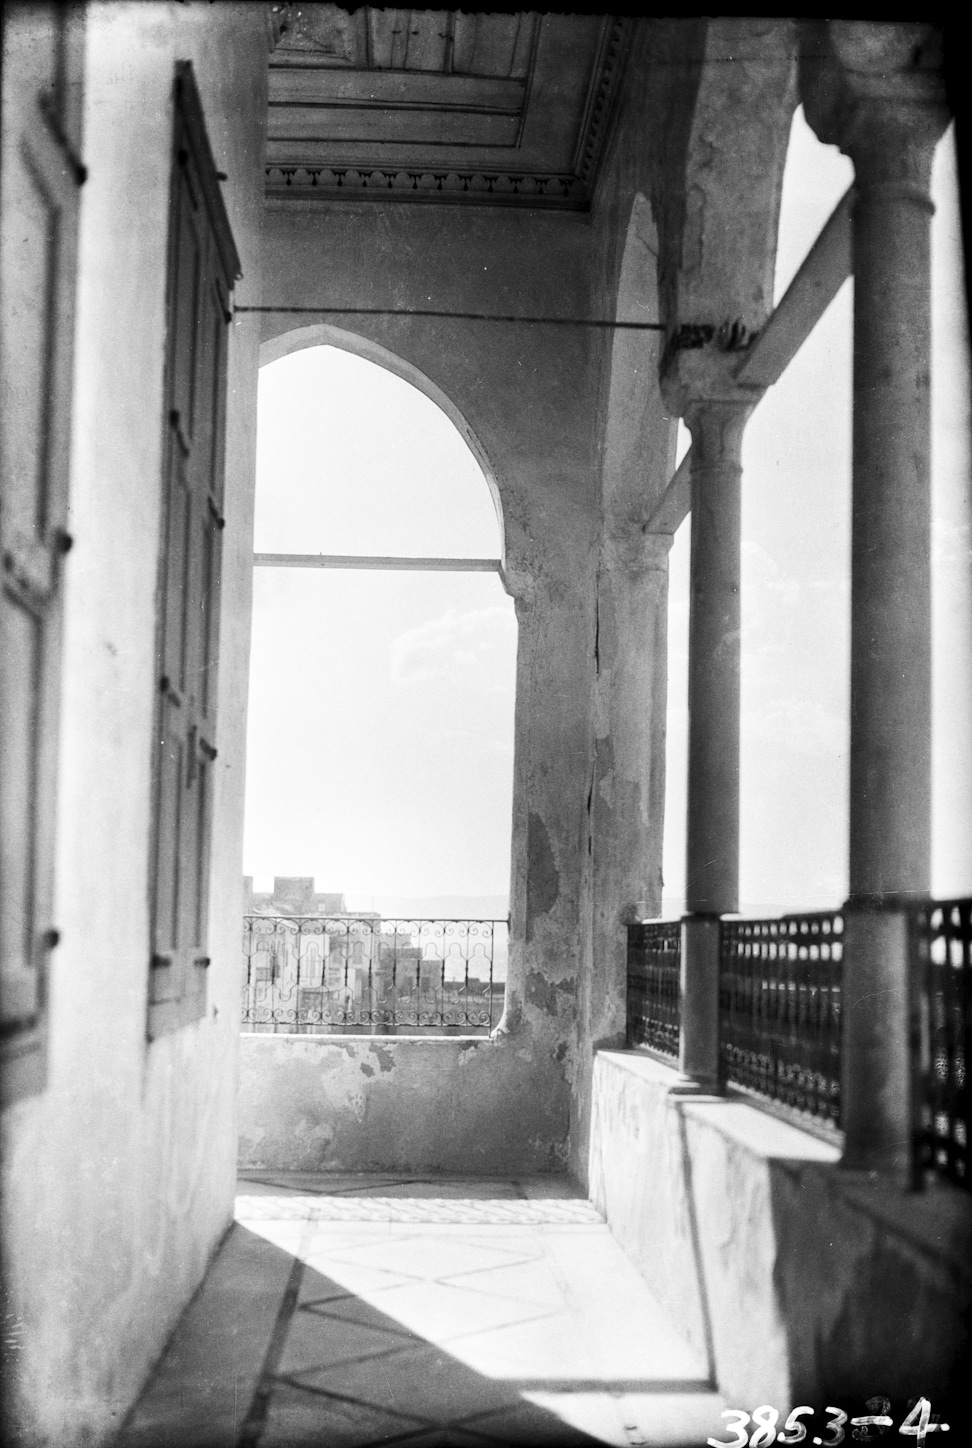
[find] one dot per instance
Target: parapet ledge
(936, 1222)
(763, 1136)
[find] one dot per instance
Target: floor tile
(318, 1339)
(529, 1280)
(347, 1312)
(298, 1417)
(549, 1346)
(338, 1277)
(675, 1420)
(442, 1313)
(429, 1257)
(531, 1426)
(422, 1380)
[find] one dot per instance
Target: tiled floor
(349, 1311)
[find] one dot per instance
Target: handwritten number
(877, 1417)
(925, 1422)
(836, 1426)
(738, 1427)
(767, 1418)
(793, 1430)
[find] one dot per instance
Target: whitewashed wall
(118, 1178)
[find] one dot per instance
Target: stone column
(716, 409)
(874, 89)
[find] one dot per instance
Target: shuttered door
(202, 268)
(41, 177)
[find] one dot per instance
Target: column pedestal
(698, 1047)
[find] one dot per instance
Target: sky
(381, 704)
(380, 749)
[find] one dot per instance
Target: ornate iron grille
(941, 953)
(779, 1009)
(317, 974)
(654, 1001)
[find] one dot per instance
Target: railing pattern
(316, 974)
(779, 1009)
(654, 1000)
(941, 941)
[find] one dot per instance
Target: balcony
(780, 1021)
(349, 974)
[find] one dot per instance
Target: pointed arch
(323, 334)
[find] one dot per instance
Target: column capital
(876, 90)
(699, 372)
(629, 547)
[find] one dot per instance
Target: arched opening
(380, 731)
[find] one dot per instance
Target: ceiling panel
(438, 105)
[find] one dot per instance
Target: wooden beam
(825, 268)
(675, 503)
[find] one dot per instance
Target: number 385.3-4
(877, 1420)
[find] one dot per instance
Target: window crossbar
(354, 560)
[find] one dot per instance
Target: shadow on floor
(346, 1313)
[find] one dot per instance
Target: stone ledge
(937, 1221)
(344, 1038)
(766, 1136)
(798, 1279)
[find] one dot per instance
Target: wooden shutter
(203, 266)
(39, 185)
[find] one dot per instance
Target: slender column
(890, 738)
(882, 108)
(890, 759)
(712, 844)
(712, 858)
(715, 409)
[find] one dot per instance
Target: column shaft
(890, 737)
(890, 743)
(712, 851)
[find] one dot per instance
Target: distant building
(292, 895)
(354, 968)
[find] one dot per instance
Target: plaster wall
(357, 1103)
(799, 1281)
(636, 454)
(118, 1177)
(525, 396)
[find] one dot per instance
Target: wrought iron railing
(361, 974)
(654, 963)
(779, 1010)
(941, 954)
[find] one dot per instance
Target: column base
(694, 1087)
(698, 1061)
(876, 1086)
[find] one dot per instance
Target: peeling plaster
(545, 994)
(543, 878)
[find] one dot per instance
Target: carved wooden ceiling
(440, 106)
